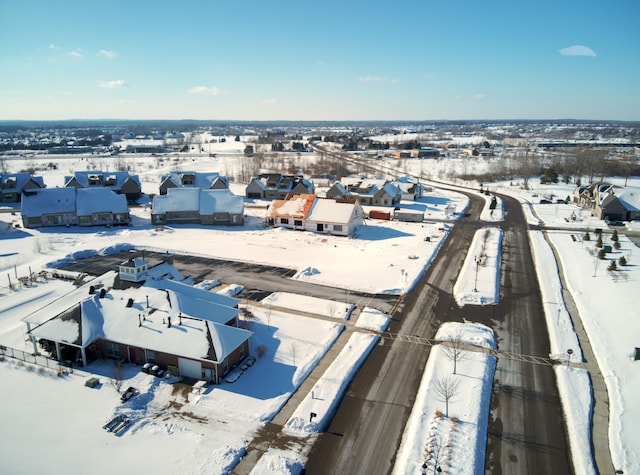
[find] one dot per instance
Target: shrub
(599, 241)
(612, 266)
(601, 254)
(614, 236)
(262, 350)
(616, 245)
(586, 237)
(622, 261)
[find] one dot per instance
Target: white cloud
(116, 84)
(378, 79)
(204, 90)
(108, 54)
(270, 101)
(76, 54)
(52, 46)
(577, 50)
(479, 97)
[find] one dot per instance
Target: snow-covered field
(57, 422)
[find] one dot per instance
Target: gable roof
(628, 197)
(118, 177)
(90, 318)
(296, 207)
(177, 199)
(202, 180)
(48, 201)
(220, 201)
(18, 180)
(195, 199)
(332, 211)
(95, 200)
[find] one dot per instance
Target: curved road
(526, 433)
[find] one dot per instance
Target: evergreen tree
(614, 236)
(622, 261)
(599, 241)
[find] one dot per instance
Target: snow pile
(303, 303)
(447, 427)
(316, 410)
(373, 319)
(479, 278)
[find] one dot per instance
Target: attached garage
(190, 368)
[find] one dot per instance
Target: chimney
(130, 303)
(169, 322)
(103, 292)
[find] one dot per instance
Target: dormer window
(94, 179)
(187, 179)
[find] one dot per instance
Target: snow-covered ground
(60, 420)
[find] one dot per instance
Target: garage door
(190, 368)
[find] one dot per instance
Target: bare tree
(526, 166)
(454, 349)
(445, 389)
(433, 454)
(117, 377)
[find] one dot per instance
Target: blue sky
(330, 60)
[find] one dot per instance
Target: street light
(475, 284)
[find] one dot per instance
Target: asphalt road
(526, 433)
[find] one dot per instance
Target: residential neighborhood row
(97, 198)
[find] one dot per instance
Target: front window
(113, 350)
(151, 357)
(337, 227)
(297, 222)
(284, 220)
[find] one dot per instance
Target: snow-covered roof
(200, 336)
(220, 201)
(194, 199)
(95, 200)
(331, 211)
(47, 201)
(18, 181)
(630, 198)
(195, 292)
(391, 189)
(177, 199)
(201, 308)
(118, 178)
(201, 179)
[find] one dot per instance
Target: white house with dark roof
(197, 206)
(188, 331)
(72, 206)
